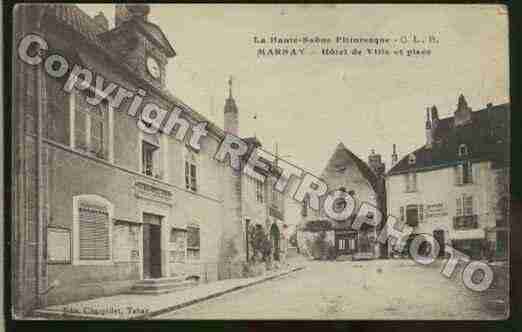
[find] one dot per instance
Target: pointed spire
(394, 156)
(434, 113)
(462, 101)
(428, 122)
(231, 112)
(230, 88)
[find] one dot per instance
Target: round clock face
(153, 67)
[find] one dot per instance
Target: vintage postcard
(247, 161)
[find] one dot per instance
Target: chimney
(394, 156)
(102, 21)
(429, 132)
(123, 13)
(375, 162)
(231, 124)
(489, 105)
(463, 112)
(434, 121)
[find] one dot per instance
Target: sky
(308, 104)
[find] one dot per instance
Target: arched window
(92, 126)
(92, 230)
(191, 171)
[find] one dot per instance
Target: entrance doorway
(151, 246)
(275, 237)
(439, 237)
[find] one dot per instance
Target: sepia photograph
(260, 162)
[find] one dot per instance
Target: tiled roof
(486, 138)
(80, 22)
(361, 165)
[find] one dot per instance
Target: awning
(469, 234)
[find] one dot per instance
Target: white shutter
(94, 232)
(468, 205)
(459, 207)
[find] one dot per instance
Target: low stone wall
(76, 283)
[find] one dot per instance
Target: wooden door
(155, 251)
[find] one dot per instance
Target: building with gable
(100, 205)
(455, 187)
(365, 183)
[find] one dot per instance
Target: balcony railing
(465, 222)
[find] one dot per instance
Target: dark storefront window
(474, 248)
(58, 112)
(502, 243)
(412, 215)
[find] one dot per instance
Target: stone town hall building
(97, 203)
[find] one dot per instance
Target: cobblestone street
(380, 289)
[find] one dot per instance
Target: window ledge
(93, 262)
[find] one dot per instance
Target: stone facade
(197, 218)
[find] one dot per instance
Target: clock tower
(140, 43)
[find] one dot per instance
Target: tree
(260, 243)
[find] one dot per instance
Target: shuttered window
(94, 232)
(467, 175)
(259, 190)
(458, 175)
(464, 173)
(464, 205)
(191, 176)
(57, 121)
(97, 136)
(468, 205)
(80, 125)
(411, 182)
(459, 207)
(304, 209)
(193, 241)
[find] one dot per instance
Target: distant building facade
(456, 186)
(345, 171)
(98, 203)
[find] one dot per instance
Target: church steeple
(231, 112)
